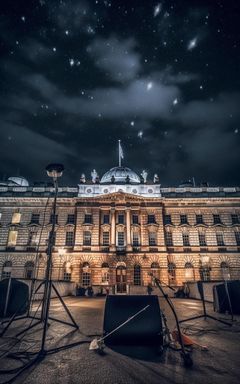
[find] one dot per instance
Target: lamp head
(54, 170)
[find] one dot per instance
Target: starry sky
(77, 75)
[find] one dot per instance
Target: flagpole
(119, 156)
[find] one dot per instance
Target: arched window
(86, 274)
(105, 273)
(172, 273)
(28, 269)
(137, 274)
(225, 270)
(6, 270)
(155, 270)
(67, 271)
(189, 272)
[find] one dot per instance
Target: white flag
(120, 151)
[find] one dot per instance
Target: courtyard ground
(128, 365)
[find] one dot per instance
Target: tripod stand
(55, 171)
(205, 315)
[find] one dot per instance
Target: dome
(21, 181)
(120, 175)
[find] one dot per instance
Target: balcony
(121, 251)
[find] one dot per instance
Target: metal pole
(7, 297)
(48, 277)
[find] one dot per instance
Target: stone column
(113, 229)
(128, 228)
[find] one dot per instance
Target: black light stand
(205, 315)
(185, 355)
(54, 171)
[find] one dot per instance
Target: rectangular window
(71, 219)
(33, 238)
(53, 219)
(237, 237)
(151, 219)
(235, 219)
(67, 276)
(69, 241)
(183, 219)
(136, 241)
(105, 219)
(202, 239)
(12, 238)
(16, 218)
(169, 240)
(216, 219)
(120, 218)
(135, 219)
(185, 237)
(121, 240)
(152, 238)
(88, 218)
(86, 279)
(106, 238)
(35, 218)
(167, 219)
(199, 219)
(137, 275)
(87, 238)
(219, 238)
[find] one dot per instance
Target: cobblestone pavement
(128, 365)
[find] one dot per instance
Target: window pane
(121, 241)
(135, 219)
(152, 238)
(87, 238)
(12, 237)
(16, 218)
(88, 219)
(106, 237)
(169, 240)
(151, 219)
(137, 275)
(71, 219)
(69, 238)
(120, 219)
(105, 219)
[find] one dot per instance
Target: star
(192, 44)
(140, 134)
(157, 9)
(132, 123)
(149, 86)
(71, 62)
(23, 19)
(67, 32)
(54, 49)
(236, 131)
(175, 101)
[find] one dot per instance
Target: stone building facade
(114, 231)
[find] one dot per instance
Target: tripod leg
(65, 307)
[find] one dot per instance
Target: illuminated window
(137, 274)
(189, 272)
(16, 218)
(105, 273)
(67, 271)
(12, 238)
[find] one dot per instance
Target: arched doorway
(121, 279)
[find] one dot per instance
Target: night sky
(163, 77)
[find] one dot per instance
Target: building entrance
(121, 279)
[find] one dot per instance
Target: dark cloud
(116, 57)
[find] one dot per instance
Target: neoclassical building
(114, 230)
